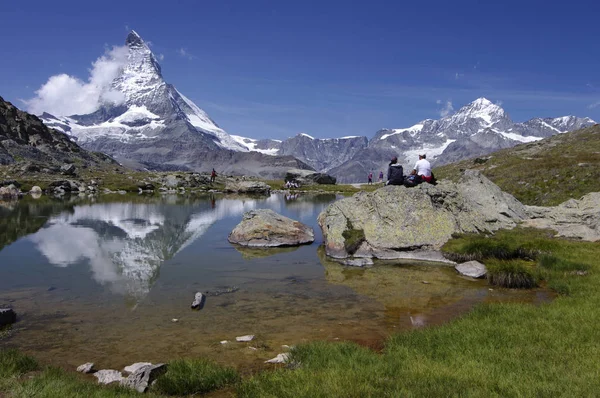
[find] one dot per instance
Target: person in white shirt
(423, 168)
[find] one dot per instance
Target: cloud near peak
(65, 95)
(447, 109)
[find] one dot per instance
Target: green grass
(497, 350)
(57, 383)
(194, 376)
(353, 238)
(546, 172)
(516, 274)
(183, 377)
(334, 188)
(13, 363)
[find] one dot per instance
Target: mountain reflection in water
(126, 243)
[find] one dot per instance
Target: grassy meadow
(544, 173)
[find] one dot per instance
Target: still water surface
(102, 281)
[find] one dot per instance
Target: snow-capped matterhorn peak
(152, 110)
(140, 80)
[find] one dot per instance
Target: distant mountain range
(159, 128)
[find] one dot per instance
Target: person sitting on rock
(423, 168)
(395, 174)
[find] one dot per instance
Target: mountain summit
(153, 125)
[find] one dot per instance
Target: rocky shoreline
(124, 182)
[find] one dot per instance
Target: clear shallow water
(101, 281)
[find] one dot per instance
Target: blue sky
(271, 69)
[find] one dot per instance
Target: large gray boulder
(265, 228)
(309, 177)
(579, 219)
(399, 222)
(247, 187)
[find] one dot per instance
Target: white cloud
(499, 103)
(594, 105)
(446, 109)
(161, 57)
(186, 54)
(68, 95)
(439, 102)
(458, 75)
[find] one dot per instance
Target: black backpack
(412, 180)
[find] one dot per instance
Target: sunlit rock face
(126, 243)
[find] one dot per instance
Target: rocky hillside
(322, 154)
(26, 142)
(545, 172)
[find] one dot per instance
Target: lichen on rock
(397, 222)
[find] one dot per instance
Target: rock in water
(10, 191)
(107, 376)
(247, 187)
(7, 316)
(265, 228)
(86, 368)
(399, 222)
(199, 300)
(309, 177)
(356, 262)
(474, 269)
(143, 377)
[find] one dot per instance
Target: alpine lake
(110, 280)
